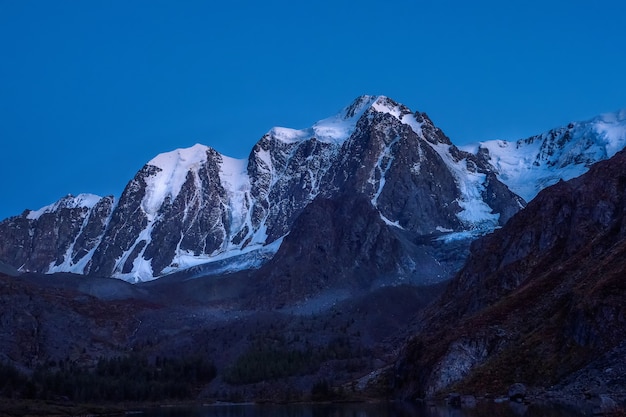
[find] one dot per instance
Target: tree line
(268, 361)
(123, 378)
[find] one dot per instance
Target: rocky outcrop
(285, 178)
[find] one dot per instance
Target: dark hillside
(537, 300)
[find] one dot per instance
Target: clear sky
(91, 90)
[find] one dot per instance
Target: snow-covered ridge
(529, 165)
(81, 200)
(335, 129)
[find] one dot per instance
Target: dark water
(362, 410)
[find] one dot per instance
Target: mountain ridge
(529, 165)
(191, 206)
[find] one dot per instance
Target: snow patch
(262, 253)
(389, 222)
(236, 181)
(464, 235)
(475, 213)
(287, 135)
(385, 159)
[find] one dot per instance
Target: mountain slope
(547, 289)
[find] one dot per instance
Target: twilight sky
(91, 90)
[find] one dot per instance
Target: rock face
(547, 289)
(57, 237)
(152, 223)
(195, 206)
(342, 244)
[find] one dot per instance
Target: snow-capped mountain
(195, 206)
(527, 166)
(60, 237)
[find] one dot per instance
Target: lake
(362, 410)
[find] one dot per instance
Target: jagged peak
(69, 201)
(528, 165)
(358, 106)
(609, 126)
(173, 169)
(380, 104)
(384, 104)
(181, 158)
(335, 129)
(338, 128)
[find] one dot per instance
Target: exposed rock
(517, 392)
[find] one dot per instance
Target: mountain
(194, 206)
(319, 255)
(58, 237)
(527, 166)
(539, 301)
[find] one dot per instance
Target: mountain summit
(196, 207)
(527, 166)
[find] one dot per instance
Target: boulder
(517, 392)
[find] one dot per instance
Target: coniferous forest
(117, 379)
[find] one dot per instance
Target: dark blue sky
(91, 90)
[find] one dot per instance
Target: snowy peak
(416, 179)
(168, 179)
(338, 128)
(384, 104)
(181, 159)
(529, 165)
(87, 201)
(334, 130)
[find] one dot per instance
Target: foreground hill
(541, 301)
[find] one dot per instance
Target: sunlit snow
(174, 167)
